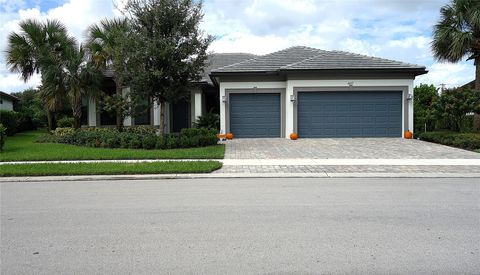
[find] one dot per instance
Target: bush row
(133, 138)
(2, 136)
(15, 122)
(469, 141)
(9, 121)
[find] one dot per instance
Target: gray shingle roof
(5, 95)
(218, 60)
(305, 58)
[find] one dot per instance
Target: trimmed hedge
(9, 121)
(3, 136)
(469, 141)
(65, 122)
(132, 138)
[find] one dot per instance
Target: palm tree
(457, 35)
(77, 76)
(107, 43)
(36, 48)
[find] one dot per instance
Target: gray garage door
(350, 114)
(255, 115)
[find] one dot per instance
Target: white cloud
(394, 29)
(450, 74)
(77, 15)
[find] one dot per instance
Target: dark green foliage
(3, 136)
(208, 120)
(141, 138)
(30, 109)
(167, 49)
(141, 130)
(9, 121)
(65, 122)
(108, 44)
(424, 98)
(455, 104)
(469, 141)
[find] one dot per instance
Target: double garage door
(320, 114)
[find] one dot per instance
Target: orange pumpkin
(293, 136)
(229, 136)
(408, 135)
(221, 136)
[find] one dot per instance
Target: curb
(237, 175)
(288, 162)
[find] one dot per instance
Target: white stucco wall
(343, 83)
(6, 104)
(127, 121)
(196, 105)
(92, 112)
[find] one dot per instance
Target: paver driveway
(342, 148)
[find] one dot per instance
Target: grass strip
(22, 147)
(59, 169)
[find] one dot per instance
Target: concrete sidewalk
(291, 168)
(288, 162)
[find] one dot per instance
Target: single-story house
(7, 101)
(312, 92)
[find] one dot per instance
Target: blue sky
(394, 29)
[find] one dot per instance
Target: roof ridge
(214, 53)
(256, 57)
(301, 61)
(378, 58)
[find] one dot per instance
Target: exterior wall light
(293, 98)
(409, 97)
(224, 99)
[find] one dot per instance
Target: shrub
(9, 121)
(112, 138)
(208, 120)
(27, 121)
(141, 130)
(149, 142)
(65, 122)
(469, 141)
(3, 136)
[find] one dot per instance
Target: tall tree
(168, 49)
(35, 48)
(77, 76)
(424, 99)
(107, 42)
(457, 35)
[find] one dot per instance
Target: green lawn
(22, 147)
(57, 169)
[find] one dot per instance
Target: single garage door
(350, 114)
(255, 115)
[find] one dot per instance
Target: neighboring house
(312, 92)
(7, 101)
(470, 85)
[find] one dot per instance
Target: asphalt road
(242, 226)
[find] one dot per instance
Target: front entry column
(196, 105)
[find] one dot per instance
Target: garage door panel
(350, 114)
(255, 115)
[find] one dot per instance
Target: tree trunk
(162, 118)
(476, 117)
(52, 124)
(118, 109)
(77, 113)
